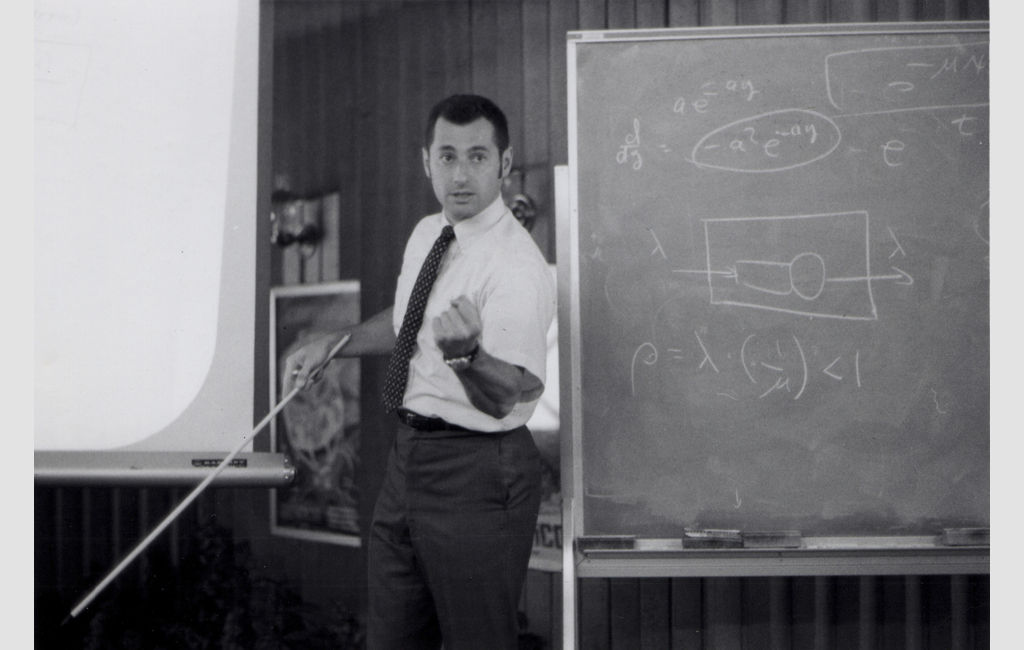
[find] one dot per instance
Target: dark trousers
(451, 539)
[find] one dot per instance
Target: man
(454, 522)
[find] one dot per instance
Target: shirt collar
(471, 230)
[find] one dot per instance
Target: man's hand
(457, 329)
(304, 366)
(492, 385)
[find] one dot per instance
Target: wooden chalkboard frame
(721, 554)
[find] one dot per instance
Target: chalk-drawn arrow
(902, 278)
(731, 274)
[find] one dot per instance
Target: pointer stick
(195, 493)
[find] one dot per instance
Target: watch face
(461, 363)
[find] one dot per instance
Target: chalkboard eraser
(606, 543)
(772, 539)
(965, 537)
(712, 538)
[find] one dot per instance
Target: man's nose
(460, 172)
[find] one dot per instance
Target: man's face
(465, 167)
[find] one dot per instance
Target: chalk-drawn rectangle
(810, 265)
(907, 78)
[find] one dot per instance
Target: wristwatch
(461, 363)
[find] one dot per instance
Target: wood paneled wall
(352, 83)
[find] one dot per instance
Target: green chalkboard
(780, 279)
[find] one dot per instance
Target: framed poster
(319, 428)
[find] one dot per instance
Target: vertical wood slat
(593, 627)
(406, 95)
(315, 77)
(823, 604)
(510, 93)
(687, 626)
(593, 14)
(87, 543)
(759, 12)
(175, 532)
(722, 613)
(779, 614)
(868, 601)
(850, 11)
(803, 602)
(620, 14)
(896, 11)
(891, 616)
(563, 18)
(624, 609)
(116, 529)
(958, 613)
(457, 48)
(655, 614)
(535, 156)
(683, 13)
(345, 53)
(651, 13)
(484, 55)
(912, 588)
(305, 73)
(806, 11)
(756, 606)
(59, 536)
(717, 13)
(142, 563)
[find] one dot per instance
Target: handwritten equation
(769, 365)
(630, 150)
(914, 79)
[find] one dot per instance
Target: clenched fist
(457, 329)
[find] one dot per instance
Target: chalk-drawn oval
(807, 275)
(770, 142)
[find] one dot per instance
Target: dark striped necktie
(398, 369)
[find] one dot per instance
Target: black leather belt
(419, 422)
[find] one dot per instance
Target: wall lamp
(294, 220)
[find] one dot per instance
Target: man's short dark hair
(463, 109)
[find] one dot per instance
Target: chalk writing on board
(891, 151)
(650, 359)
(714, 89)
(907, 78)
(772, 366)
(771, 142)
(631, 148)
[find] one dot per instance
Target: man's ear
(426, 162)
(506, 161)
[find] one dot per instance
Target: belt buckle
(412, 419)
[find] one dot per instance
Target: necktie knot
(398, 369)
